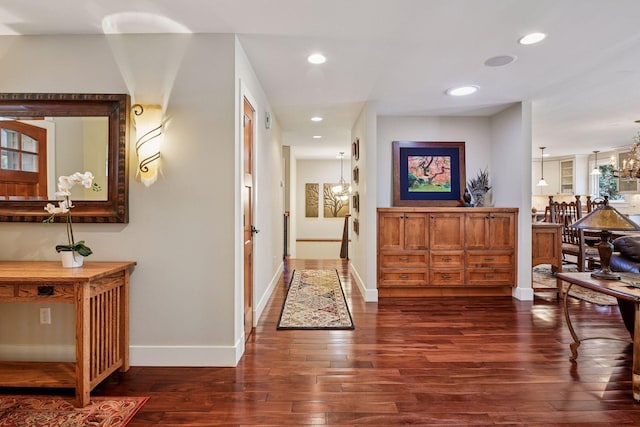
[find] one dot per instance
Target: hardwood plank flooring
(438, 361)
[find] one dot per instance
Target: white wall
(364, 252)
(474, 131)
(319, 172)
(183, 229)
(511, 169)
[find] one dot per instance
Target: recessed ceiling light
(317, 58)
(316, 119)
(532, 38)
(462, 90)
(317, 136)
(499, 61)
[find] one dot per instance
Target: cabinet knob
(404, 258)
(404, 276)
(446, 276)
(489, 259)
(446, 259)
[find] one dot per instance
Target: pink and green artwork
(428, 174)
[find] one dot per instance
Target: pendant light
(342, 190)
(542, 182)
(596, 169)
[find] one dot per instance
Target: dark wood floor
(446, 361)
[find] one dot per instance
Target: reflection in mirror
(44, 136)
(32, 162)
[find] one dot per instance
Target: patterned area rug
(543, 278)
(315, 300)
(53, 411)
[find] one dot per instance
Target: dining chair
(573, 240)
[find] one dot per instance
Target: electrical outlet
(45, 316)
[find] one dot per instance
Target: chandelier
(630, 168)
(342, 189)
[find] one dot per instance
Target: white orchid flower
(61, 208)
(65, 205)
(64, 182)
(87, 179)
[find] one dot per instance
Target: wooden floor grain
(439, 361)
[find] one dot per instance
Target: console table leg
(83, 349)
(576, 341)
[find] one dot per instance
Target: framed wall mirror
(44, 136)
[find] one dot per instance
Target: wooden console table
(100, 294)
(627, 290)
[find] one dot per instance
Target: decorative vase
(71, 259)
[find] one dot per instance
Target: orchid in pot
(73, 252)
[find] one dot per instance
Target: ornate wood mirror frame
(114, 209)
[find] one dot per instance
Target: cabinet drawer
(485, 276)
(452, 259)
(46, 291)
(404, 259)
(403, 277)
(490, 259)
(445, 276)
(6, 290)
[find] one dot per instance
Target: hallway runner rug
(50, 411)
(315, 300)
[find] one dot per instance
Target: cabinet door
(447, 231)
(477, 231)
(490, 231)
(391, 230)
(566, 177)
(416, 231)
(502, 231)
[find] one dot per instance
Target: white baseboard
(219, 356)
(259, 308)
(522, 294)
(369, 295)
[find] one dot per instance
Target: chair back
(566, 213)
(596, 203)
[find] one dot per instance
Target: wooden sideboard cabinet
(546, 248)
(99, 292)
(448, 251)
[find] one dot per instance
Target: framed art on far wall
(355, 148)
(428, 173)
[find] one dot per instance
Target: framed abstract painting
(428, 173)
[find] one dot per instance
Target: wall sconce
(148, 124)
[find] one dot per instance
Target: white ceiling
(583, 80)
